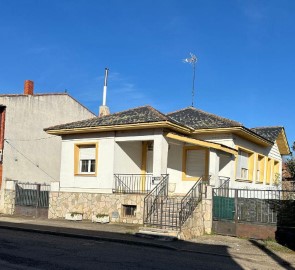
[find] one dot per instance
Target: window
(85, 159)
(195, 163)
(245, 165)
(269, 170)
(277, 175)
(129, 210)
(260, 169)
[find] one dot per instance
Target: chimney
(104, 109)
(29, 87)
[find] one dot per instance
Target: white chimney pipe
(103, 109)
(104, 98)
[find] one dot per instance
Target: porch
(140, 163)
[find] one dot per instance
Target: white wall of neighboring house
(31, 154)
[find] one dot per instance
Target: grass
(275, 246)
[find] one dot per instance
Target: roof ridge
(160, 114)
(139, 107)
(180, 110)
(207, 113)
(35, 94)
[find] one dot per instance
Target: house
(110, 163)
(28, 154)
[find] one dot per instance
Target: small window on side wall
(129, 210)
(85, 159)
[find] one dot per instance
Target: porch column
(214, 167)
(160, 158)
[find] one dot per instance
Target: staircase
(165, 214)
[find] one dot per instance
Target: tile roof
(198, 119)
(189, 117)
(270, 133)
(145, 114)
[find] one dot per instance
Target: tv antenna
(192, 60)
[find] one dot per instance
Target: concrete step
(156, 233)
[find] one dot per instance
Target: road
(26, 250)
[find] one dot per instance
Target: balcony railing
(135, 183)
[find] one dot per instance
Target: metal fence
(135, 183)
(254, 206)
(28, 194)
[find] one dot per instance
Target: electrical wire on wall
(32, 162)
(32, 140)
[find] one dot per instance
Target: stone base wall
(88, 204)
(200, 223)
(8, 202)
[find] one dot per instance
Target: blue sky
(245, 50)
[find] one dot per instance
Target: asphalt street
(27, 250)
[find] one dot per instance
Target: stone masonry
(90, 204)
(9, 202)
(200, 222)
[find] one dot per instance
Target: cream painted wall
(225, 139)
(230, 169)
(103, 181)
(122, 155)
(120, 152)
(128, 157)
(31, 154)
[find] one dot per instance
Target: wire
(38, 139)
(28, 158)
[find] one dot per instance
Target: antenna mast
(192, 60)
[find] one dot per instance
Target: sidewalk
(255, 253)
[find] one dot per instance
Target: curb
(85, 236)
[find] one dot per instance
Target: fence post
(38, 187)
(236, 209)
(38, 194)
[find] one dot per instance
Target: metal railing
(28, 194)
(192, 198)
(254, 206)
(134, 183)
(224, 186)
(152, 200)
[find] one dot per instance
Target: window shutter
(87, 152)
(242, 162)
(195, 163)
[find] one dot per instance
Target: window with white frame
(86, 159)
